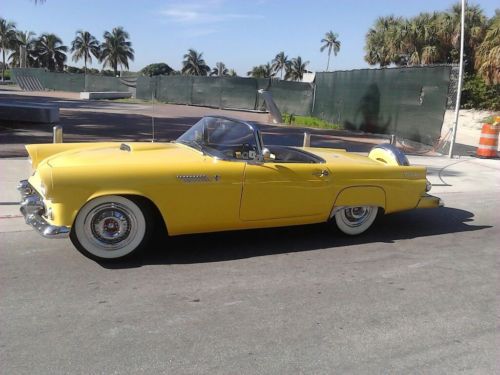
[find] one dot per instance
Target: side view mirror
(266, 154)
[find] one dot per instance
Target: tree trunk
(328, 63)
(3, 64)
(85, 73)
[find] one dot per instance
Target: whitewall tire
(111, 227)
(355, 220)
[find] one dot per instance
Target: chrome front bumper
(32, 208)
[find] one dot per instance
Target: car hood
(120, 154)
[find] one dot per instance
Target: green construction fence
(407, 102)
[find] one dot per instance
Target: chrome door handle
(322, 173)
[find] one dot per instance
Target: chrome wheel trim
(355, 220)
(128, 232)
(356, 216)
(111, 225)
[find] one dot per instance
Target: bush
(156, 69)
(478, 95)
(7, 74)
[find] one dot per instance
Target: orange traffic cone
(488, 143)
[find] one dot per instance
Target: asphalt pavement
(416, 294)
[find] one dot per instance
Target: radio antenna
(152, 117)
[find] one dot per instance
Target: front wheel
(355, 220)
(111, 227)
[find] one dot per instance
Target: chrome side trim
(194, 178)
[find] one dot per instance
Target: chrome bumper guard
(32, 208)
(430, 201)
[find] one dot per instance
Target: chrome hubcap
(111, 226)
(356, 216)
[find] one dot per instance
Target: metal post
(307, 140)
(460, 77)
(393, 139)
(58, 134)
(152, 116)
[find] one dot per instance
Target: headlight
(428, 186)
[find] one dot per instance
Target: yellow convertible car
(217, 176)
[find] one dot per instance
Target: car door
(204, 196)
(274, 190)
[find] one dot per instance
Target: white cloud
(205, 12)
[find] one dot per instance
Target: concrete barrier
(29, 113)
(105, 95)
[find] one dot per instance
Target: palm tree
(50, 52)
(262, 71)
(296, 69)
(487, 59)
(219, 70)
(7, 40)
(427, 38)
(280, 62)
(85, 45)
(194, 64)
(381, 45)
(116, 49)
(332, 43)
(475, 29)
(24, 39)
(232, 73)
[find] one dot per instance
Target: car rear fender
(360, 196)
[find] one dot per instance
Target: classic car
(217, 176)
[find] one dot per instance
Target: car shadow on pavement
(234, 245)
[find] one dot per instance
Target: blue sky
(239, 33)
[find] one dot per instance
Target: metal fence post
(307, 140)
(58, 134)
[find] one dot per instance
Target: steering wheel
(247, 152)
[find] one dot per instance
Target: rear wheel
(355, 220)
(111, 227)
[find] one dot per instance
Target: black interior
(285, 154)
(280, 154)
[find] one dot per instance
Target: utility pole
(460, 78)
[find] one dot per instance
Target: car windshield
(222, 137)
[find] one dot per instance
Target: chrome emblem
(194, 178)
